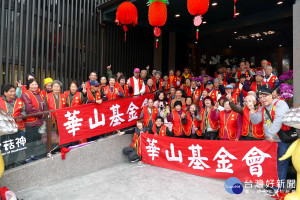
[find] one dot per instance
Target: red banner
(248, 161)
(85, 121)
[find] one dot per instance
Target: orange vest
(16, 111)
(254, 86)
(162, 131)
(76, 101)
(283, 127)
(140, 84)
(112, 95)
(52, 105)
(125, 91)
(187, 128)
(214, 95)
(257, 129)
(35, 103)
(147, 116)
(90, 96)
(230, 125)
(213, 124)
(272, 80)
(177, 125)
(173, 79)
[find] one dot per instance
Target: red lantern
(157, 15)
(197, 8)
(126, 14)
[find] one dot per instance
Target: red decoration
(234, 9)
(64, 150)
(126, 14)
(197, 8)
(157, 16)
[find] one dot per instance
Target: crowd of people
(232, 106)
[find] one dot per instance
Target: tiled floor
(137, 181)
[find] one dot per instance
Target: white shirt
(136, 86)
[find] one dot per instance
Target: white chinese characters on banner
(116, 118)
(152, 150)
(97, 122)
(254, 158)
(145, 103)
(224, 164)
(132, 112)
(173, 157)
(8, 145)
(196, 159)
(73, 123)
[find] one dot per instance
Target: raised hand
(148, 67)
(19, 83)
(217, 105)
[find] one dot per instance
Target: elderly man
(150, 87)
(254, 86)
(270, 78)
(217, 90)
(136, 83)
(270, 114)
(173, 80)
(144, 76)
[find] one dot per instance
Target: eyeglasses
(264, 96)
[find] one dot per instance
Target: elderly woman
(55, 100)
(73, 97)
(33, 104)
(14, 107)
(123, 86)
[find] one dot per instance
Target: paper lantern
(126, 15)
(157, 15)
(197, 8)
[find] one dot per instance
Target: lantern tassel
(197, 33)
(234, 10)
(156, 42)
(125, 37)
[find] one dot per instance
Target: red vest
(179, 78)
(16, 111)
(254, 86)
(257, 129)
(200, 104)
(112, 95)
(214, 94)
(76, 101)
(239, 73)
(125, 91)
(244, 92)
(43, 93)
(161, 81)
(147, 89)
(53, 106)
(213, 124)
(147, 116)
(87, 85)
(177, 125)
(162, 131)
(230, 124)
(168, 87)
(35, 103)
(140, 84)
(272, 80)
(91, 97)
(136, 144)
(283, 127)
(187, 128)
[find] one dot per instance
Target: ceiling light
(177, 15)
(229, 46)
(235, 32)
(214, 4)
(279, 2)
(237, 13)
(204, 22)
(280, 45)
(196, 42)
